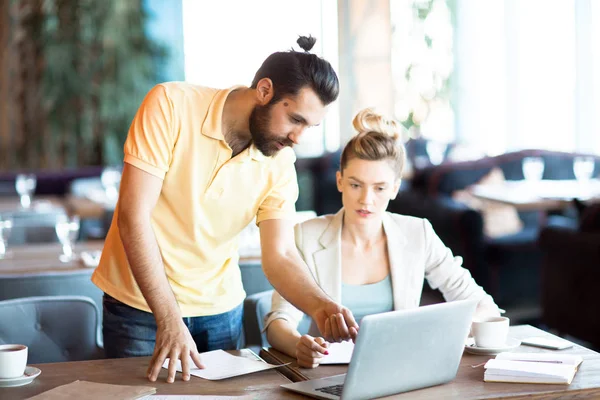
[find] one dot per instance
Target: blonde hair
(377, 139)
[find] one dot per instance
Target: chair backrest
(55, 328)
(253, 278)
(256, 307)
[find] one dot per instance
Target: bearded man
(200, 164)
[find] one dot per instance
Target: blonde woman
(370, 260)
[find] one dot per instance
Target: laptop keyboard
(335, 390)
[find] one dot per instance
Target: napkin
(90, 259)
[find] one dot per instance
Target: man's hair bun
(306, 43)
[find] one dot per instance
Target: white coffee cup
(490, 332)
(13, 360)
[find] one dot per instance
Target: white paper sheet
(219, 364)
(339, 353)
(196, 397)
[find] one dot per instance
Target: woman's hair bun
(368, 120)
(306, 43)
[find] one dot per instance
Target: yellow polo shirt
(207, 198)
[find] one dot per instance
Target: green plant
(421, 61)
(98, 63)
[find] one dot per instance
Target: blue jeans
(129, 332)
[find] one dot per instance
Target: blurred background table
(35, 270)
(544, 195)
(35, 224)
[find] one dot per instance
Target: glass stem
(25, 201)
(67, 250)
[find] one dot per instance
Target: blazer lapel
(328, 260)
(400, 262)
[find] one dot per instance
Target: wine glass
(436, 151)
(110, 178)
(533, 168)
(6, 225)
(25, 185)
(583, 167)
(67, 231)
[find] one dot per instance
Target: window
(527, 74)
(422, 62)
(224, 48)
(593, 133)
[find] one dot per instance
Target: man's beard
(265, 141)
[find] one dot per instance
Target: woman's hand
(486, 311)
(310, 351)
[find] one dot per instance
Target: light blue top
(368, 299)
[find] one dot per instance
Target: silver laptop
(400, 351)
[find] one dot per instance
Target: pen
(549, 361)
(542, 361)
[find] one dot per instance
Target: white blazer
(415, 252)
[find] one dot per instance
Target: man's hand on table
(173, 341)
(335, 322)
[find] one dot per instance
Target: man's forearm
(292, 279)
(143, 255)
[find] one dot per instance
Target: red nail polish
(326, 353)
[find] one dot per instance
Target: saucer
(30, 374)
(471, 347)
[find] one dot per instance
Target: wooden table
(546, 195)
(469, 383)
(43, 259)
(132, 371)
(35, 270)
(12, 204)
(85, 207)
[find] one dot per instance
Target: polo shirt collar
(255, 153)
(212, 125)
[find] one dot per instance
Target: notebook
(95, 391)
(532, 368)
